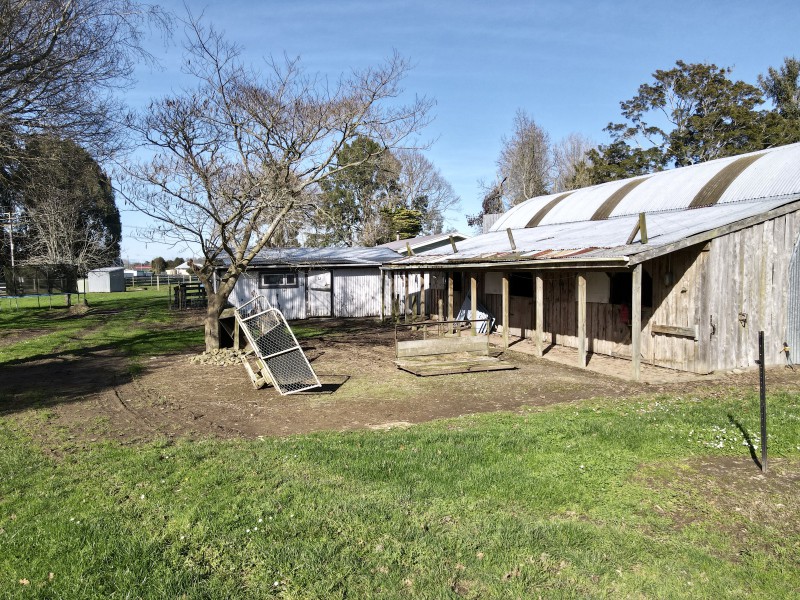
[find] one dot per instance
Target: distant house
(424, 243)
(184, 270)
(107, 279)
(318, 282)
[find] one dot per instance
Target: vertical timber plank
(422, 308)
(450, 299)
(473, 291)
(506, 312)
(582, 319)
(636, 323)
(539, 307)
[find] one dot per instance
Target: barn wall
(356, 292)
(290, 301)
(679, 300)
(748, 273)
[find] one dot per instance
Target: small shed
(106, 279)
(318, 282)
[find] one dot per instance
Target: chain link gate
(275, 347)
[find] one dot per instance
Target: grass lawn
(645, 497)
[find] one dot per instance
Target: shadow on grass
(747, 438)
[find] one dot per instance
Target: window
(622, 289)
(520, 284)
(277, 280)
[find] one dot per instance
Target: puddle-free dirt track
(94, 396)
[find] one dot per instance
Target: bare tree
(570, 163)
(235, 157)
(61, 62)
(61, 237)
(525, 161)
(421, 186)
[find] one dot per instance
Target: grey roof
(107, 269)
(327, 257)
(765, 174)
(423, 240)
(605, 241)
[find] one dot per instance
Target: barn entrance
(318, 290)
(793, 308)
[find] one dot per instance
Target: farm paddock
(100, 396)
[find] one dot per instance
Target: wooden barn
(317, 282)
(680, 268)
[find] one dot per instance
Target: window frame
(290, 280)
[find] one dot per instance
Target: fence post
(762, 385)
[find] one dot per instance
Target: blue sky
(568, 64)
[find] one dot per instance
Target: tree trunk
(216, 303)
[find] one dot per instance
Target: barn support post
(423, 309)
(539, 306)
(450, 300)
(383, 296)
(506, 311)
(473, 291)
(392, 295)
(636, 323)
(407, 303)
(581, 320)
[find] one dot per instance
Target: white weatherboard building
(317, 282)
(680, 268)
(107, 279)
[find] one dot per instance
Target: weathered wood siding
(748, 273)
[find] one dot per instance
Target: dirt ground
(101, 396)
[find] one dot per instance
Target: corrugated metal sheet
(774, 173)
(356, 293)
(316, 257)
(290, 301)
(598, 239)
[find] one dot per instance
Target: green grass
(602, 499)
(648, 497)
(131, 323)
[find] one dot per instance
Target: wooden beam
(539, 335)
(407, 303)
(453, 244)
(450, 300)
(511, 239)
(473, 290)
(643, 228)
(383, 296)
(581, 284)
(506, 311)
(636, 324)
(393, 294)
(423, 309)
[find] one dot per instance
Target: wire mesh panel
(274, 343)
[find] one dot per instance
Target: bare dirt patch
(102, 395)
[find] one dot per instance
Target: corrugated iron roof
(310, 257)
(422, 240)
(765, 174)
(596, 240)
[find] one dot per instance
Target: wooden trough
(447, 356)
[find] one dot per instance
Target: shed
(318, 282)
(106, 279)
(679, 268)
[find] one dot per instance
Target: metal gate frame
(275, 344)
